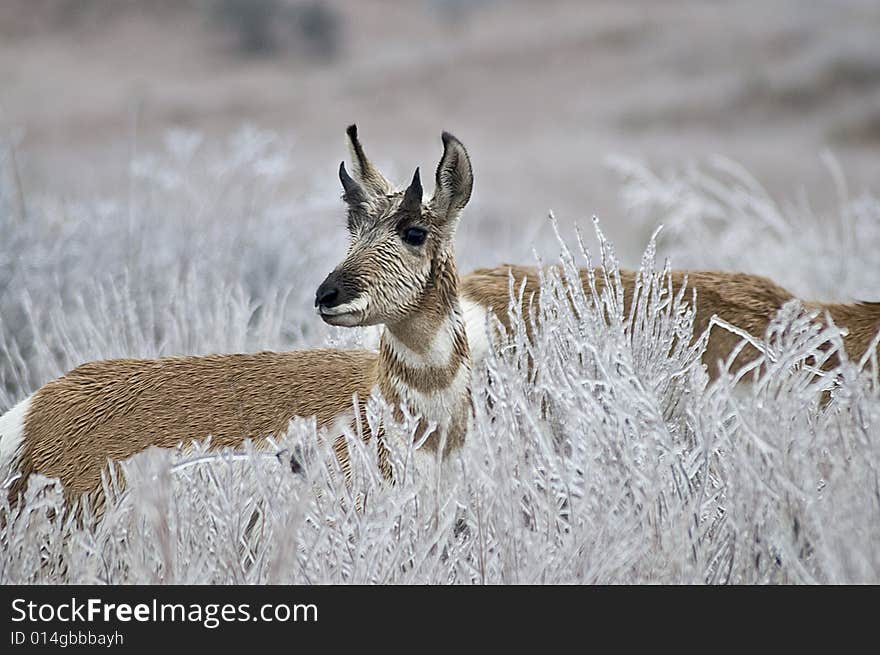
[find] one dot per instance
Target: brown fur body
(746, 301)
(117, 408)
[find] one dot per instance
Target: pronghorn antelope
(399, 271)
(747, 301)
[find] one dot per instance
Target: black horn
(354, 193)
(412, 199)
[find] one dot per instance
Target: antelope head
(398, 239)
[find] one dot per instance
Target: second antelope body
(399, 272)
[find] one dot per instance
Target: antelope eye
(415, 236)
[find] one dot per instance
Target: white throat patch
(438, 406)
(437, 354)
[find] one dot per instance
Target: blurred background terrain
(541, 93)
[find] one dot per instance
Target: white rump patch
(476, 328)
(12, 437)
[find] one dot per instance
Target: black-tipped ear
(412, 199)
(454, 179)
(364, 172)
(354, 193)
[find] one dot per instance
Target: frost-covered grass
(600, 451)
(818, 256)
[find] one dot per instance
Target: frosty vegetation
(600, 452)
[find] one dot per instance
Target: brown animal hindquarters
(747, 301)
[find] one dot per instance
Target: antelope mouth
(348, 314)
(341, 316)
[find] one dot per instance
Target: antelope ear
(454, 180)
(412, 199)
(364, 172)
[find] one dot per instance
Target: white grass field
(616, 462)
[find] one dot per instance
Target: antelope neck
(424, 361)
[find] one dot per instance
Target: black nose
(327, 294)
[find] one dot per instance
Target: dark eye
(415, 236)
